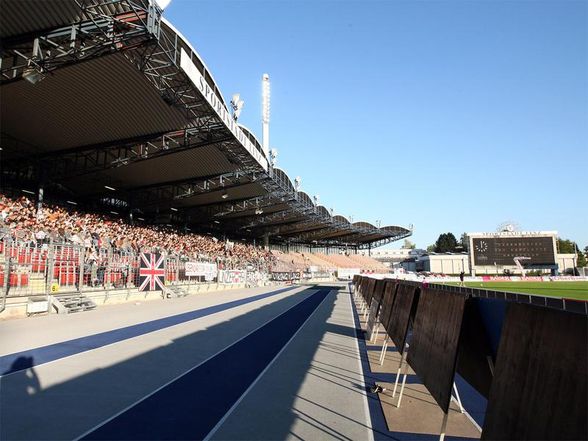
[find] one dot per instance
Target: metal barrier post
(49, 268)
(6, 281)
(80, 275)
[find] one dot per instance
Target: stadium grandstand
(116, 141)
(109, 107)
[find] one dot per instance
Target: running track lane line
(190, 406)
(56, 351)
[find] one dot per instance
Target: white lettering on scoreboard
(196, 77)
(515, 234)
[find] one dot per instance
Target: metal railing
(33, 268)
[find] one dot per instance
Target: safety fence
(37, 267)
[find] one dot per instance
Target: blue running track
(192, 405)
(9, 363)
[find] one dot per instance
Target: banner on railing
(201, 269)
(232, 276)
(152, 272)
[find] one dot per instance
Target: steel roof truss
(98, 35)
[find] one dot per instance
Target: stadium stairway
(174, 291)
(75, 302)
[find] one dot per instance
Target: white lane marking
(368, 417)
(40, 365)
(234, 406)
(187, 372)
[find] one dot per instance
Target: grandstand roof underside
(115, 108)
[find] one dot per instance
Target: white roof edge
(187, 42)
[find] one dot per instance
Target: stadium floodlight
(265, 116)
(114, 212)
(28, 191)
(258, 211)
(225, 194)
(216, 222)
(162, 4)
(109, 188)
(140, 218)
(173, 209)
(237, 105)
(297, 182)
(265, 96)
(273, 157)
(72, 202)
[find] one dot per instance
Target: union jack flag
(152, 272)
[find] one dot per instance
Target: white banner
(199, 269)
(347, 273)
(232, 276)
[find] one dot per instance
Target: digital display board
(502, 250)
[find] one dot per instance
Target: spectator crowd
(20, 219)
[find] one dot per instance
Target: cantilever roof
(132, 118)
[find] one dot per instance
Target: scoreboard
(502, 250)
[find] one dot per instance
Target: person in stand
(125, 275)
(461, 276)
(100, 272)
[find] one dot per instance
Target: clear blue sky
(449, 115)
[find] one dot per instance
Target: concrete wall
(445, 263)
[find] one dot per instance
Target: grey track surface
(314, 389)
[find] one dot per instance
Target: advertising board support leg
(400, 364)
(375, 331)
(457, 398)
(443, 426)
(383, 352)
(403, 384)
(365, 311)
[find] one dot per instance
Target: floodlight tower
(265, 119)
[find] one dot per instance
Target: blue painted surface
(9, 363)
(493, 312)
(472, 401)
(192, 405)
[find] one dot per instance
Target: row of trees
(447, 243)
(565, 246)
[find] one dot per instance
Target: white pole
(443, 426)
(457, 398)
(383, 353)
(400, 363)
(265, 87)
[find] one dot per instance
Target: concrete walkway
(251, 364)
(257, 364)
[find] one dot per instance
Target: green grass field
(568, 290)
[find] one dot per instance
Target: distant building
(446, 263)
(393, 257)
